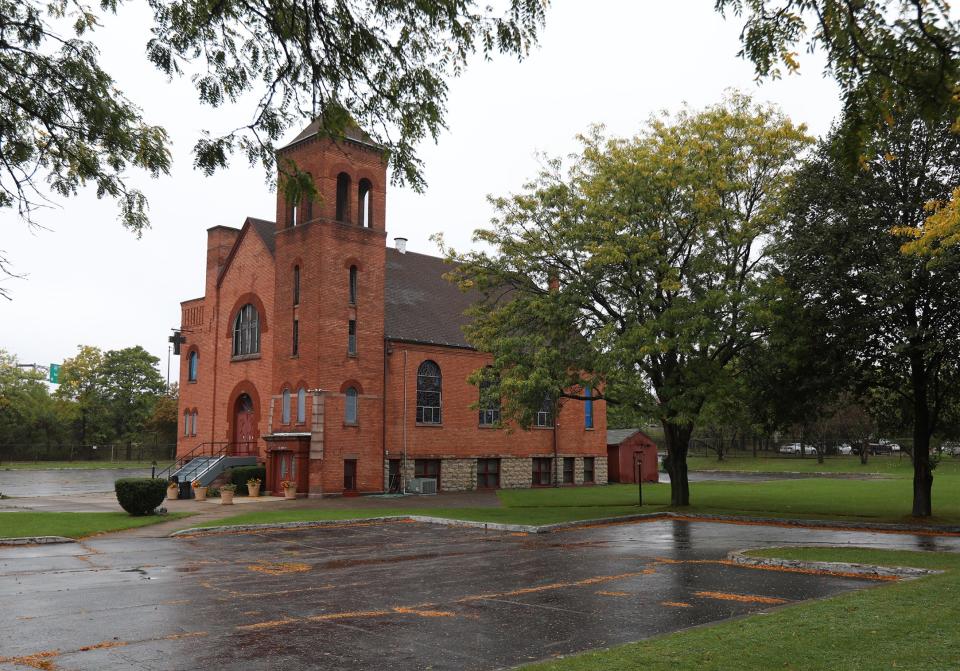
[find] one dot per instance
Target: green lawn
(73, 525)
(81, 465)
(890, 465)
(907, 625)
(886, 500)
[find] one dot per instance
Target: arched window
(186, 423)
(246, 331)
(193, 423)
(193, 361)
(306, 207)
(429, 383)
(353, 285)
(301, 405)
(489, 398)
(343, 191)
(285, 406)
(364, 197)
(350, 406)
(296, 285)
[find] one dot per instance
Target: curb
(549, 528)
(36, 540)
(866, 570)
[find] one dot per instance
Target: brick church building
(340, 363)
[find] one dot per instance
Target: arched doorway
(244, 425)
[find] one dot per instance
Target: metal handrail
(248, 448)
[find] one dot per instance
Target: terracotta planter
(226, 498)
(254, 490)
(200, 493)
(290, 493)
(173, 493)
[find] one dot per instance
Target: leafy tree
(129, 385)
(644, 265)
(383, 65)
(893, 317)
(164, 421)
(879, 51)
(80, 384)
(25, 405)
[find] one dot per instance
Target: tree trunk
(922, 473)
(678, 442)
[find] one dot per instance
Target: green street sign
(55, 373)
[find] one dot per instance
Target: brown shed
(627, 447)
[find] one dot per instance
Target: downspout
(557, 467)
(403, 469)
(383, 421)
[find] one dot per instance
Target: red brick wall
(460, 434)
(248, 278)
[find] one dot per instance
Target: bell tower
(330, 257)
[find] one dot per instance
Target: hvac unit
(422, 486)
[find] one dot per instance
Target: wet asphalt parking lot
(401, 595)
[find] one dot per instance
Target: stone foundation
(457, 474)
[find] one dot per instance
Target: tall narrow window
(350, 406)
(343, 191)
(296, 285)
(306, 206)
(353, 285)
(489, 398)
(285, 406)
(246, 331)
(364, 194)
(588, 469)
(568, 468)
(429, 384)
(186, 423)
(291, 214)
(352, 337)
(588, 409)
(301, 405)
(192, 363)
(544, 418)
(193, 423)
(296, 338)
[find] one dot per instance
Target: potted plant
(289, 489)
(226, 494)
(199, 491)
(173, 490)
(253, 486)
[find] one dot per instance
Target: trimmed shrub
(140, 496)
(240, 474)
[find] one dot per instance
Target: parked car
(890, 446)
(794, 448)
(844, 448)
(951, 447)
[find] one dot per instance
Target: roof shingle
(422, 306)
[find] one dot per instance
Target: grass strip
(73, 525)
(906, 625)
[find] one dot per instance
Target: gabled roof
(617, 436)
(422, 306)
(351, 132)
(264, 229)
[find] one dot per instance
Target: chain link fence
(133, 452)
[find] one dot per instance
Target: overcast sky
(615, 62)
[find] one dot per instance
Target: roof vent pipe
(401, 244)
